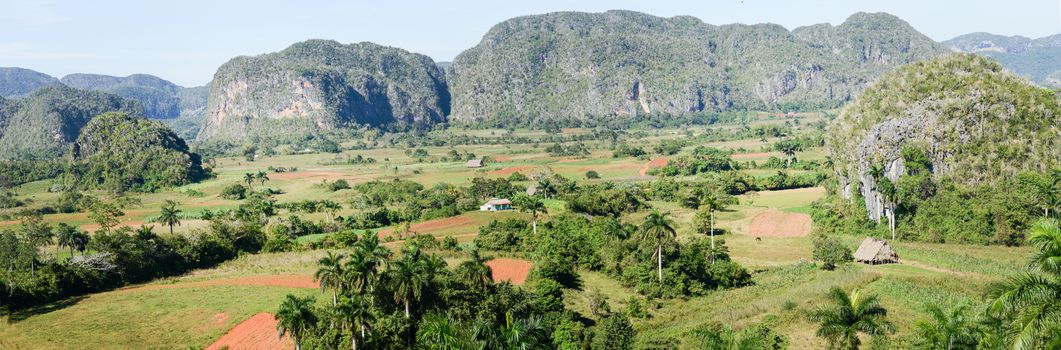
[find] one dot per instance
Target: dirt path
(514, 270)
(655, 163)
(256, 333)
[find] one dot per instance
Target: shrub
(338, 185)
(234, 191)
(592, 174)
(614, 333)
(831, 252)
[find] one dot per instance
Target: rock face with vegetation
(160, 98)
(974, 122)
(1036, 59)
(44, 124)
(121, 152)
(622, 63)
(322, 85)
(20, 82)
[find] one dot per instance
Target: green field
(785, 285)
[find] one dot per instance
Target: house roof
(474, 163)
(499, 201)
(873, 249)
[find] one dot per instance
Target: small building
(496, 204)
(475, 163)
(875, 251)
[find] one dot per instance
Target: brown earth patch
(508, 171)
(514, 270)
(432, 225)
(502, 159)
(293, 281)
(256, 333)
(775, 223)
(655, 163)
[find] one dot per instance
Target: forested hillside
(321, 85)
(622, 63)
(948, 145)
(1036, 59)
(42, 125)
(120, 152)
(160, 98)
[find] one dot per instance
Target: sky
(185, 41)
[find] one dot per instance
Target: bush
(592, 174)
(614, 333)
(338, 185)
(831, 252)
(234, 191)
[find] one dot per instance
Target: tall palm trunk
(353, 342)
(406, 307)
(298, 343)
(659, 261)
(335, 300)
(534, 224)
(171, 230)
(712, 236)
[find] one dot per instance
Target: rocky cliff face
(622, 63)
(1039, 60)
(976, 123)
(322, 85)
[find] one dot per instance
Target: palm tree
(476, 270)
(66, 236)
(330, 274)
(170, 215)
(376, 255)
(248, 178)
(410, 278)
(440, 332)
(533, 205)
(262, 177)
(949, 329)
(659, 227)
(848, 316)
(79, 241)
(524, 334)
(1031, 300)
(331, 207)
(296, 316)
(711, 204)
(546, 187)
(354, 314)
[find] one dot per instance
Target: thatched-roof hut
(875, 251)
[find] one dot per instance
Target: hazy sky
(186, 40)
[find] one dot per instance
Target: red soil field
(294, 281)
(433, 225)
(655, 163)
(774, 223)
(256, 333)
(514, 270)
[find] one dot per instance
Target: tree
(66, 236)
(848, 316)
(331, 207)
(889, 195)
(475, 270)
(546, 187)
(248, 178)
(708, 205)
(949, 329)
(296, 317)
(169, 215)
(261, 177)
(1030, 300)
(440, 332)
(105, 215)
(35, 233)
(716, 336)
(831, 252)
(615, 333)
(330, 274)
(354, 313)
(659, 227)
(409, 277)
(532, 205)
(789, 147)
